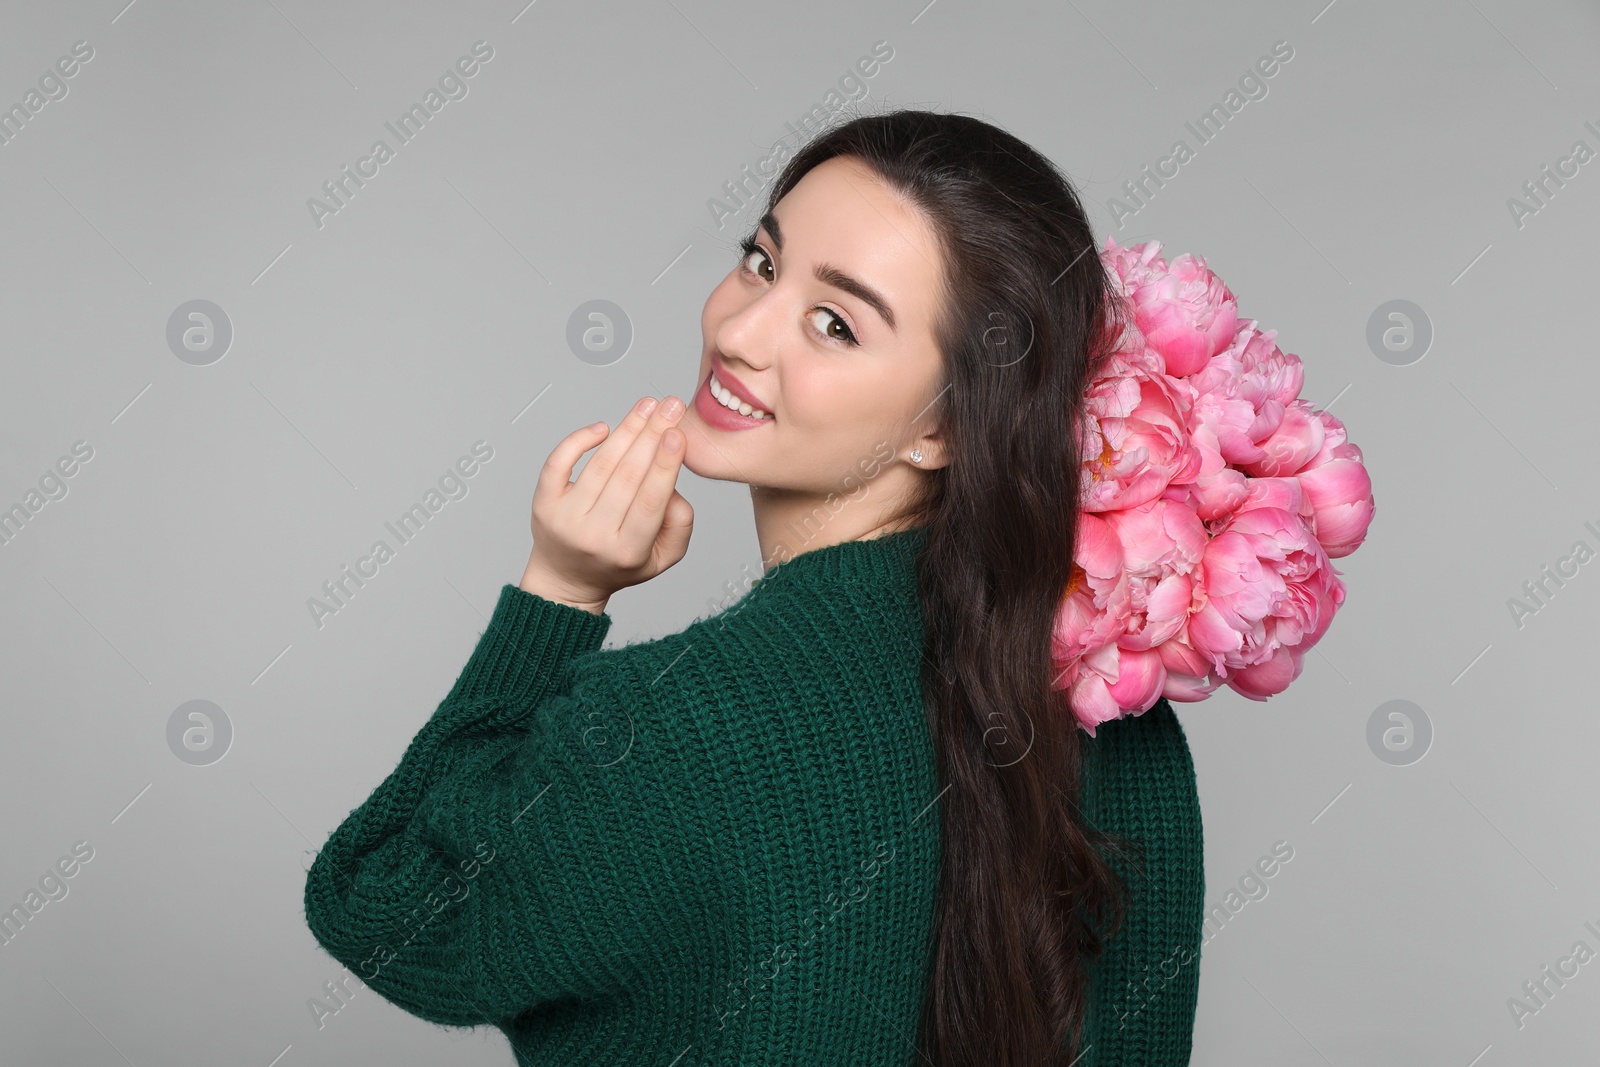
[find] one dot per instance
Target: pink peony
(1130, 593)
(1185, 312)
(1336, 482)
(1136, 436)
(1265, 585)
(1241, 394)
(1109, 681)
(1214, 500)
(1292, 445)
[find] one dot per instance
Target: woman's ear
(930, 451)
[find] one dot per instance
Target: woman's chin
(715, 469)
(704, 461)
(697, 451)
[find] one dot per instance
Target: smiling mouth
(723, 396)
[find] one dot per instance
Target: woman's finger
(672, 543)
(597, 472)
(611, 510)
(556, 475)
(641, 526)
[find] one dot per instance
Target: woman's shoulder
(807, 656)
(797, 619)
(1143, 761)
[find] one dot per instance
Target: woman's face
(847, 386)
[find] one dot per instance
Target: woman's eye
(763, 255)
(845, 334)
(834, 320)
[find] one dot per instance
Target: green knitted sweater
(720, 846)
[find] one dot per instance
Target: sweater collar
(886, 557)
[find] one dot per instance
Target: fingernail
(673, 408)
(645, 406)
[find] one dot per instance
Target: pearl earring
(916, 455)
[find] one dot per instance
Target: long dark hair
(1027, 896)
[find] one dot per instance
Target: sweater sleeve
(424, 890)
(1146, 985)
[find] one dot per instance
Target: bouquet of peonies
(1213, 501)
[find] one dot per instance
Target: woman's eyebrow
(828, 274)
(831, 275)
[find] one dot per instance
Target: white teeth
(733, 403)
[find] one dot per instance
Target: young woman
(847, 819)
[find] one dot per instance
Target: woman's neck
(788, 524)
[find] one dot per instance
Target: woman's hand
(622, 522)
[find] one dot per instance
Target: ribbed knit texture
(1146, 985)
(717, 847)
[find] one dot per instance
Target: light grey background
(369, 354)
